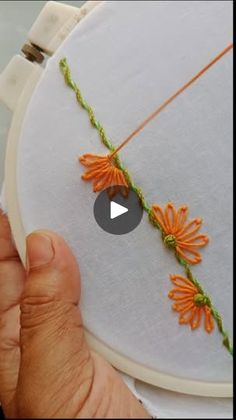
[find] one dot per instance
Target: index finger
(12, 273)
(7, 248)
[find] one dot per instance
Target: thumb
(55, 359)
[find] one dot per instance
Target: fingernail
(40, 250)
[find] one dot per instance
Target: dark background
(1, 413)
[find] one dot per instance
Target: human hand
(46, 367)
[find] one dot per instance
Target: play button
(117, 210)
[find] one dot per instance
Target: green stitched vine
(226, 340)
(147, 208)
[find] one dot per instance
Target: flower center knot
(170, 241)
(200, 299)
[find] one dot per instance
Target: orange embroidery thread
(103, 172)
(190, 303)
(172, 98)
(179, 234)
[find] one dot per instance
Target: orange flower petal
(182, 214)
(190, 229)
(196, 241)
(183, 319)
(181, 305)
(180, 298)
(191, 315)
(209, 324)
(170, 215)
(102, 170)
(182, 281)
(103, 183)
(95, 174)
(187, 255)
(160, 217)
(121, 178)
(178, 294)
(195, 322)
(90, 160)
(183, 308)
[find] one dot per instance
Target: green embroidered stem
(224, 333)
(226, 340)
(147, 208)
(96, 124)
(105, 140)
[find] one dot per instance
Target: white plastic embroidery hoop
(124, 364)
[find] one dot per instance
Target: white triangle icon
(116, 210)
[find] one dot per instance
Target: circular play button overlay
(117, 210)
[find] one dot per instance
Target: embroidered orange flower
(180, 234)
(190, 303)
(103, 171)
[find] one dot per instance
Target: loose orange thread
(190, 303)
(172, 98)
(179, 234)
(103, 172)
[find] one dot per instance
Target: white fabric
(163, 404)
(128, 57)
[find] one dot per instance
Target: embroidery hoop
(136, 370)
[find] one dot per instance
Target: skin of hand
(46, 367)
